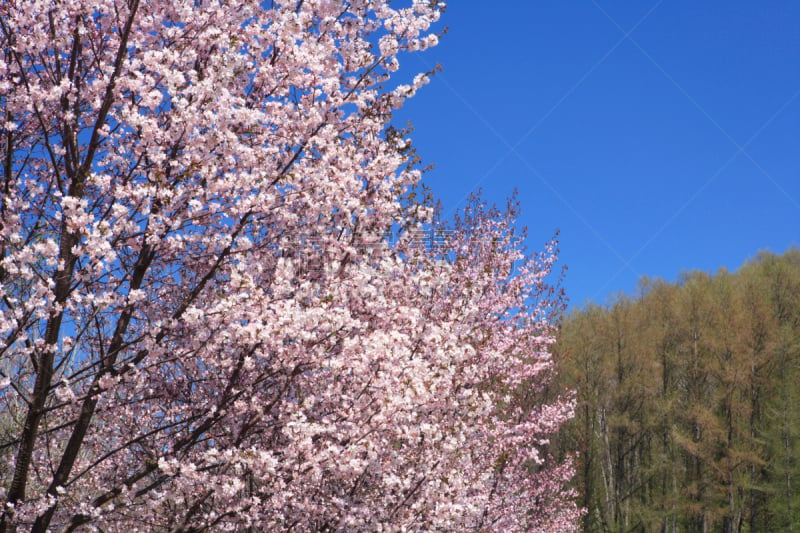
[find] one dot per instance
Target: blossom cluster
(195, 333)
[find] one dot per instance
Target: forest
(687, 395)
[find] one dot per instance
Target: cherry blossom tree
(204, 325)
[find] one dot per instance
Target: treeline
(688, 402)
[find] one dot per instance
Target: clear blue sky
(657, 136)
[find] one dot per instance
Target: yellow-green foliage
(687, 416)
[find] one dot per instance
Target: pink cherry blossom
(214, 312)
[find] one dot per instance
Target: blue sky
(657, 136)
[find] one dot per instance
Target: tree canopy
(203, 323)
(687, 413)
